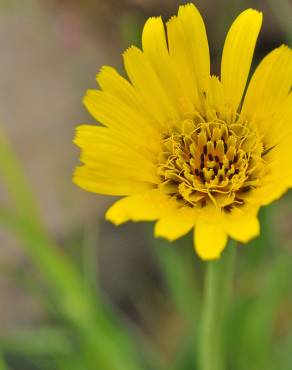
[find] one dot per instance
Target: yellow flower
(185, 148)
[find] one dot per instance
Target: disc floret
(203, 162)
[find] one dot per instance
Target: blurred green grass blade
(90, 255)
(177, 265)
(16, 183)
(151, 355)
(107, 344)
(60, 273)
(3, 365)
(283, 358)
(44, 341)
(36, 288)
(131, 25)
(186, 357)
(251, 331)
(70, 363)
(26, 223)
(8, 219)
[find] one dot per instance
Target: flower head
(185, 148)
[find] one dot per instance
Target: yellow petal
(272, 186)
(112, 82)
(118, 115)
(215, 100)
(115, 85)
(278, 178)
(147, 206)
(148, 85)
(237, 54)
(277, 131)
(269, 87)
(155, 48)
(197, 43)
(153, 40)
(242, 228)
(209, 239)
(116, 165)
(90, 180)
(283, 115)
(271, 192)
(95, 139)
(176, 225)
(105, 156)
(216, 92)
(179, 51)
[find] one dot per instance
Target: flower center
(210, 162)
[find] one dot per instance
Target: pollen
(210, 162)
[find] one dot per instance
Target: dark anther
(215, 169)
(228, 208)
(225, 148)
(210, 157)
(226, 170)
(205, 149)
(216, 158)
(230, 176)
(240, 201)
(235, 159)
(165, 136)
(202, 165)
(245, 189)
(202, 157)
(215, 144)
(202, 176)
(220, 165)
(267, 150)
(204, 94)
(221, 178)
(236, 171)
(197, 172)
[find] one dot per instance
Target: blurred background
(78, 293)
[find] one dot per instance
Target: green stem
(218, 286)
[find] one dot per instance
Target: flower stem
(218, 286)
